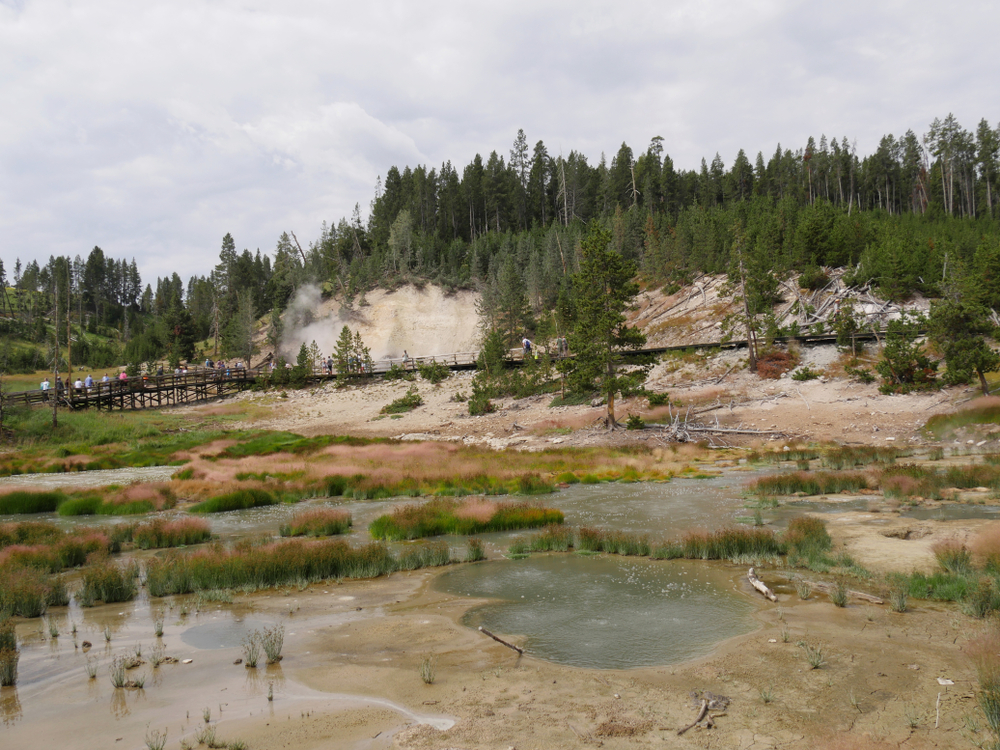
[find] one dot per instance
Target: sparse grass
(767, 694)
(158, 624)
(427, 670)
(897, 592)
(809, 483)
(116, 671)
(474, 551)
(984, 652)
(953, 556)
(9, 653)
(613, 542)
(553, 538)
(803, 589)
(318, 522)
(814, 655)
(984, 410)
(92, 665)
(446, 516)
(206, 736)
(839, 594)
(846, 457)
(251, 649)
(156, 740)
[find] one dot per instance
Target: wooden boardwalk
(196, 385)
(203, 384)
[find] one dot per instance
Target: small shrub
(409, 402)
(395, 372)
(772, 364)
(635, 422)
(433, 372)
(805, 373)
(272, 639)
(658, 399)
(861, 374)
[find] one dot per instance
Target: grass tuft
(238, 500)
(318, 522)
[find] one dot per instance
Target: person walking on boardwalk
(45, 389)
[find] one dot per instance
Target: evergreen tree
(604, 291)
(959, 329)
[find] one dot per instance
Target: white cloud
(154, 128)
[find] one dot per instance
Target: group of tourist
(79, 386)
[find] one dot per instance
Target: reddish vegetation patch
(477, 509)
(985, 546)
(773, 364)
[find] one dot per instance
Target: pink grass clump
(476, 509)
(985, 547)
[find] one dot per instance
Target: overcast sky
(152, 128)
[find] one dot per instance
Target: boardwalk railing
(201, 384)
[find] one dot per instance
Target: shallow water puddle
(604, 612)
(952, 512)
(93, 478)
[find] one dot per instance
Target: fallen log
(760, 586)
(701, 715)
(501, 641)
(826, 588)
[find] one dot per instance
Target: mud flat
(350, 676)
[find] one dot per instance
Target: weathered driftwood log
(501, 641)
(760, 586)
(826, 588)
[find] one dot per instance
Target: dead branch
(501, 641)
(701, 715)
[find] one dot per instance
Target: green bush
(658, 399)
(409, 402)
(433, 372)
(395, 372)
